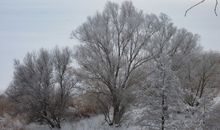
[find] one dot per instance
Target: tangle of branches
(202, 1)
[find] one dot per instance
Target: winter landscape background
(128, 65)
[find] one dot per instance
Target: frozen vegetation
(132, 71)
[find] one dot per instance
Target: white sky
(27, 25)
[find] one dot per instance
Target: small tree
(42, 85)
(199, 74)
(163, 90)
(64, 81)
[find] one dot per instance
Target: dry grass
(83, 106)
(7, 121)
(6, 107)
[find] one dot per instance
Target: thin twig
(195, 6)
(216, 5)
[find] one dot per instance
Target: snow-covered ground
(94, 123)
(98, 123)
(213, 122)
(216, 101)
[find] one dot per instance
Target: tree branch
(193, 7)
(215, 8)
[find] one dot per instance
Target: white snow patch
(216, 100)
(94, 123)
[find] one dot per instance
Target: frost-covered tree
(42, 85)
(164, 96)
(64, 81)
(115, 46)
(199, 80)
(163, 88)
(122, 48)
(199, 74)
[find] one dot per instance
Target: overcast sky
(27, 25)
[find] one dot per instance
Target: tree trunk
(163, 122)
(163, 111)
(116, 115)
(58, 125)
(116, 110)
(50, 123)
(55, 124)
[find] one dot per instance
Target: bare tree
(64, 81)
(115, 46)
(165, 93)
(42, 85)
(199, 79)
(200, 73)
